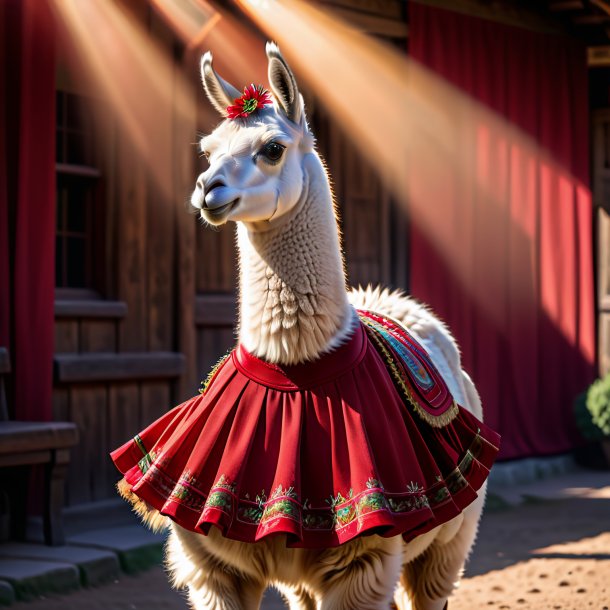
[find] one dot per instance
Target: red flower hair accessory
(253, 98)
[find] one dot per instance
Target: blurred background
(469, 148)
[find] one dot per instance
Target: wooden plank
(601, 158)
(566, 5)
(61, 404)
(207, 354)
(363, 219)
(213, 343)
(108, 160)
(5, 361)
(98, 336)
(394, 9)
(399, 247)
(66, 336)
(131, 197)
(70, 368)
(215, 310)
(372, 24)
(226, 341)
(217, 259)
(124, 421)
(591, 19)
(76, 294)
(4, 416)
(385, 236)
(123, 413)
(87, 474)
(604, 343)
(155, 400)
(160, 218)
(20, 436)
(87, 308)
(603, 258)
(25, 459)
(186, 246)
(598, 56)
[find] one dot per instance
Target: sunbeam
(132, 74)
(421, 134)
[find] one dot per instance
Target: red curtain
(529, 342)
(27, 202)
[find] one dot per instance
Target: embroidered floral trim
(283, 502)
(437, 421)
(221, 496)
(145, 463)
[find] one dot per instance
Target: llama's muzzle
(218, 196)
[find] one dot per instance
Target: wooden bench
(26, 444)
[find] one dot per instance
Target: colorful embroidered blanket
(367, 439)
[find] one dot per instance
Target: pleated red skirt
(365, 440)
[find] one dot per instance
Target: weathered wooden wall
(121, 352)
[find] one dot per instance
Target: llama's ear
(220, 93)
(283, 84)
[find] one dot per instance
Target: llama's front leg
(211, 583)
(224, 592)
(360, 578)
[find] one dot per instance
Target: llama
(297, 323)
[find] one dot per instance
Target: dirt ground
(541, 555)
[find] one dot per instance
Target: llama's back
(430, 331)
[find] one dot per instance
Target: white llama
(265, 175)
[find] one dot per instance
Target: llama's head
(255, 172)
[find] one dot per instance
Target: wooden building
(142, 296)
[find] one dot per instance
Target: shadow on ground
(513, 535)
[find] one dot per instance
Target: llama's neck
(293, 301)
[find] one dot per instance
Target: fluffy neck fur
(293, 300)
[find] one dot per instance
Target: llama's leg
(211, 583)
(225, 592)
(428, 580)
(297, 598)
(360, 577)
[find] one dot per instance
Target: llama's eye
(273, 151)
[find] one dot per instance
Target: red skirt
(365, 440)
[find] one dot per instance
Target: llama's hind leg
(297, 598)
(211, 583)
(360, 578)
(428, 580)
(224, 592)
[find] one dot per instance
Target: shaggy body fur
(293, 301)
(294, 306)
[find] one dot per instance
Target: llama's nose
(213, 185)
(211, 199)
